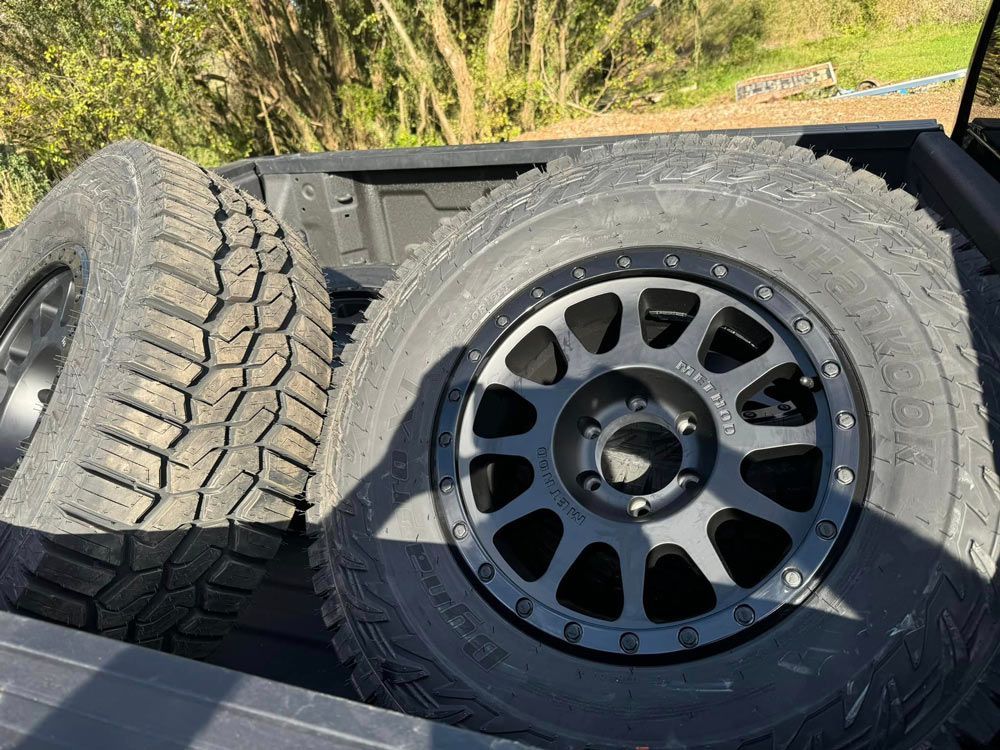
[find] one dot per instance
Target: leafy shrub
(76, 76)
(21, 187)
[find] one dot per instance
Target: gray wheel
(164, 353)
(596, 434)
(685, 443)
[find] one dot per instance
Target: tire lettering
(456, 615)
(914, 443)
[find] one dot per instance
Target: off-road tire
(187, 414)
(895, 647)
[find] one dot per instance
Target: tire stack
(685, 442)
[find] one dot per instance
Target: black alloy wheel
(653, 451)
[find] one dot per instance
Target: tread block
(199, 443)
(215, 599)
(174, 292)
(239, 260)
(307, 392)
(231, 352)
(200, 538)
(53, 604)
(307, 361)
(273, 255)
(130, 462)
(294, 444)
(269, 343)
(191, 233)
(179, 575)
(157, 397)
(183, 480)
(239, 231)
(251, 431)
(306, 330)
(153, 549)
(267, 374)
(203, 413)
(162, 365)
(301, 417)
(129, 589)
(236, 573)
(283, 474)
(86, 539)
(240, 285)
(179, 335)
(273, 286)
(73, 572)
(205, 625)
(193, 266)
(267, 508)
(275, 313)
(218, 383)
(139, 425)
(222, 502)
(234, 319)
(256, 540)
(113, 500)
(165, 610)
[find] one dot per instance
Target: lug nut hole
(589, 481)
(639, 507)
(688, 480)
(589, 427)
(687, 424)
(637, 403)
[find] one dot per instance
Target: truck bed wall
(370, 207)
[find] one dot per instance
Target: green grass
(884, 55)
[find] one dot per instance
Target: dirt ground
(939, 103)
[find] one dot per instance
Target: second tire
(166, 347)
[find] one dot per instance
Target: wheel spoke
(633, 570)
(705, 557)
(573, 542)
(688, 346)
(581, 364)
(547, 400)
(749, 438)
(52, 305)
(761, 506)
(525, 445)
(631, 344)
(736, 494)
(530, 500)
(759, 370)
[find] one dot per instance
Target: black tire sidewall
(822, 656)
(98, 240)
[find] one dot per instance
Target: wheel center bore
(641, 458)
(648, 460)
(626, 442)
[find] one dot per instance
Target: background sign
(780, 85)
